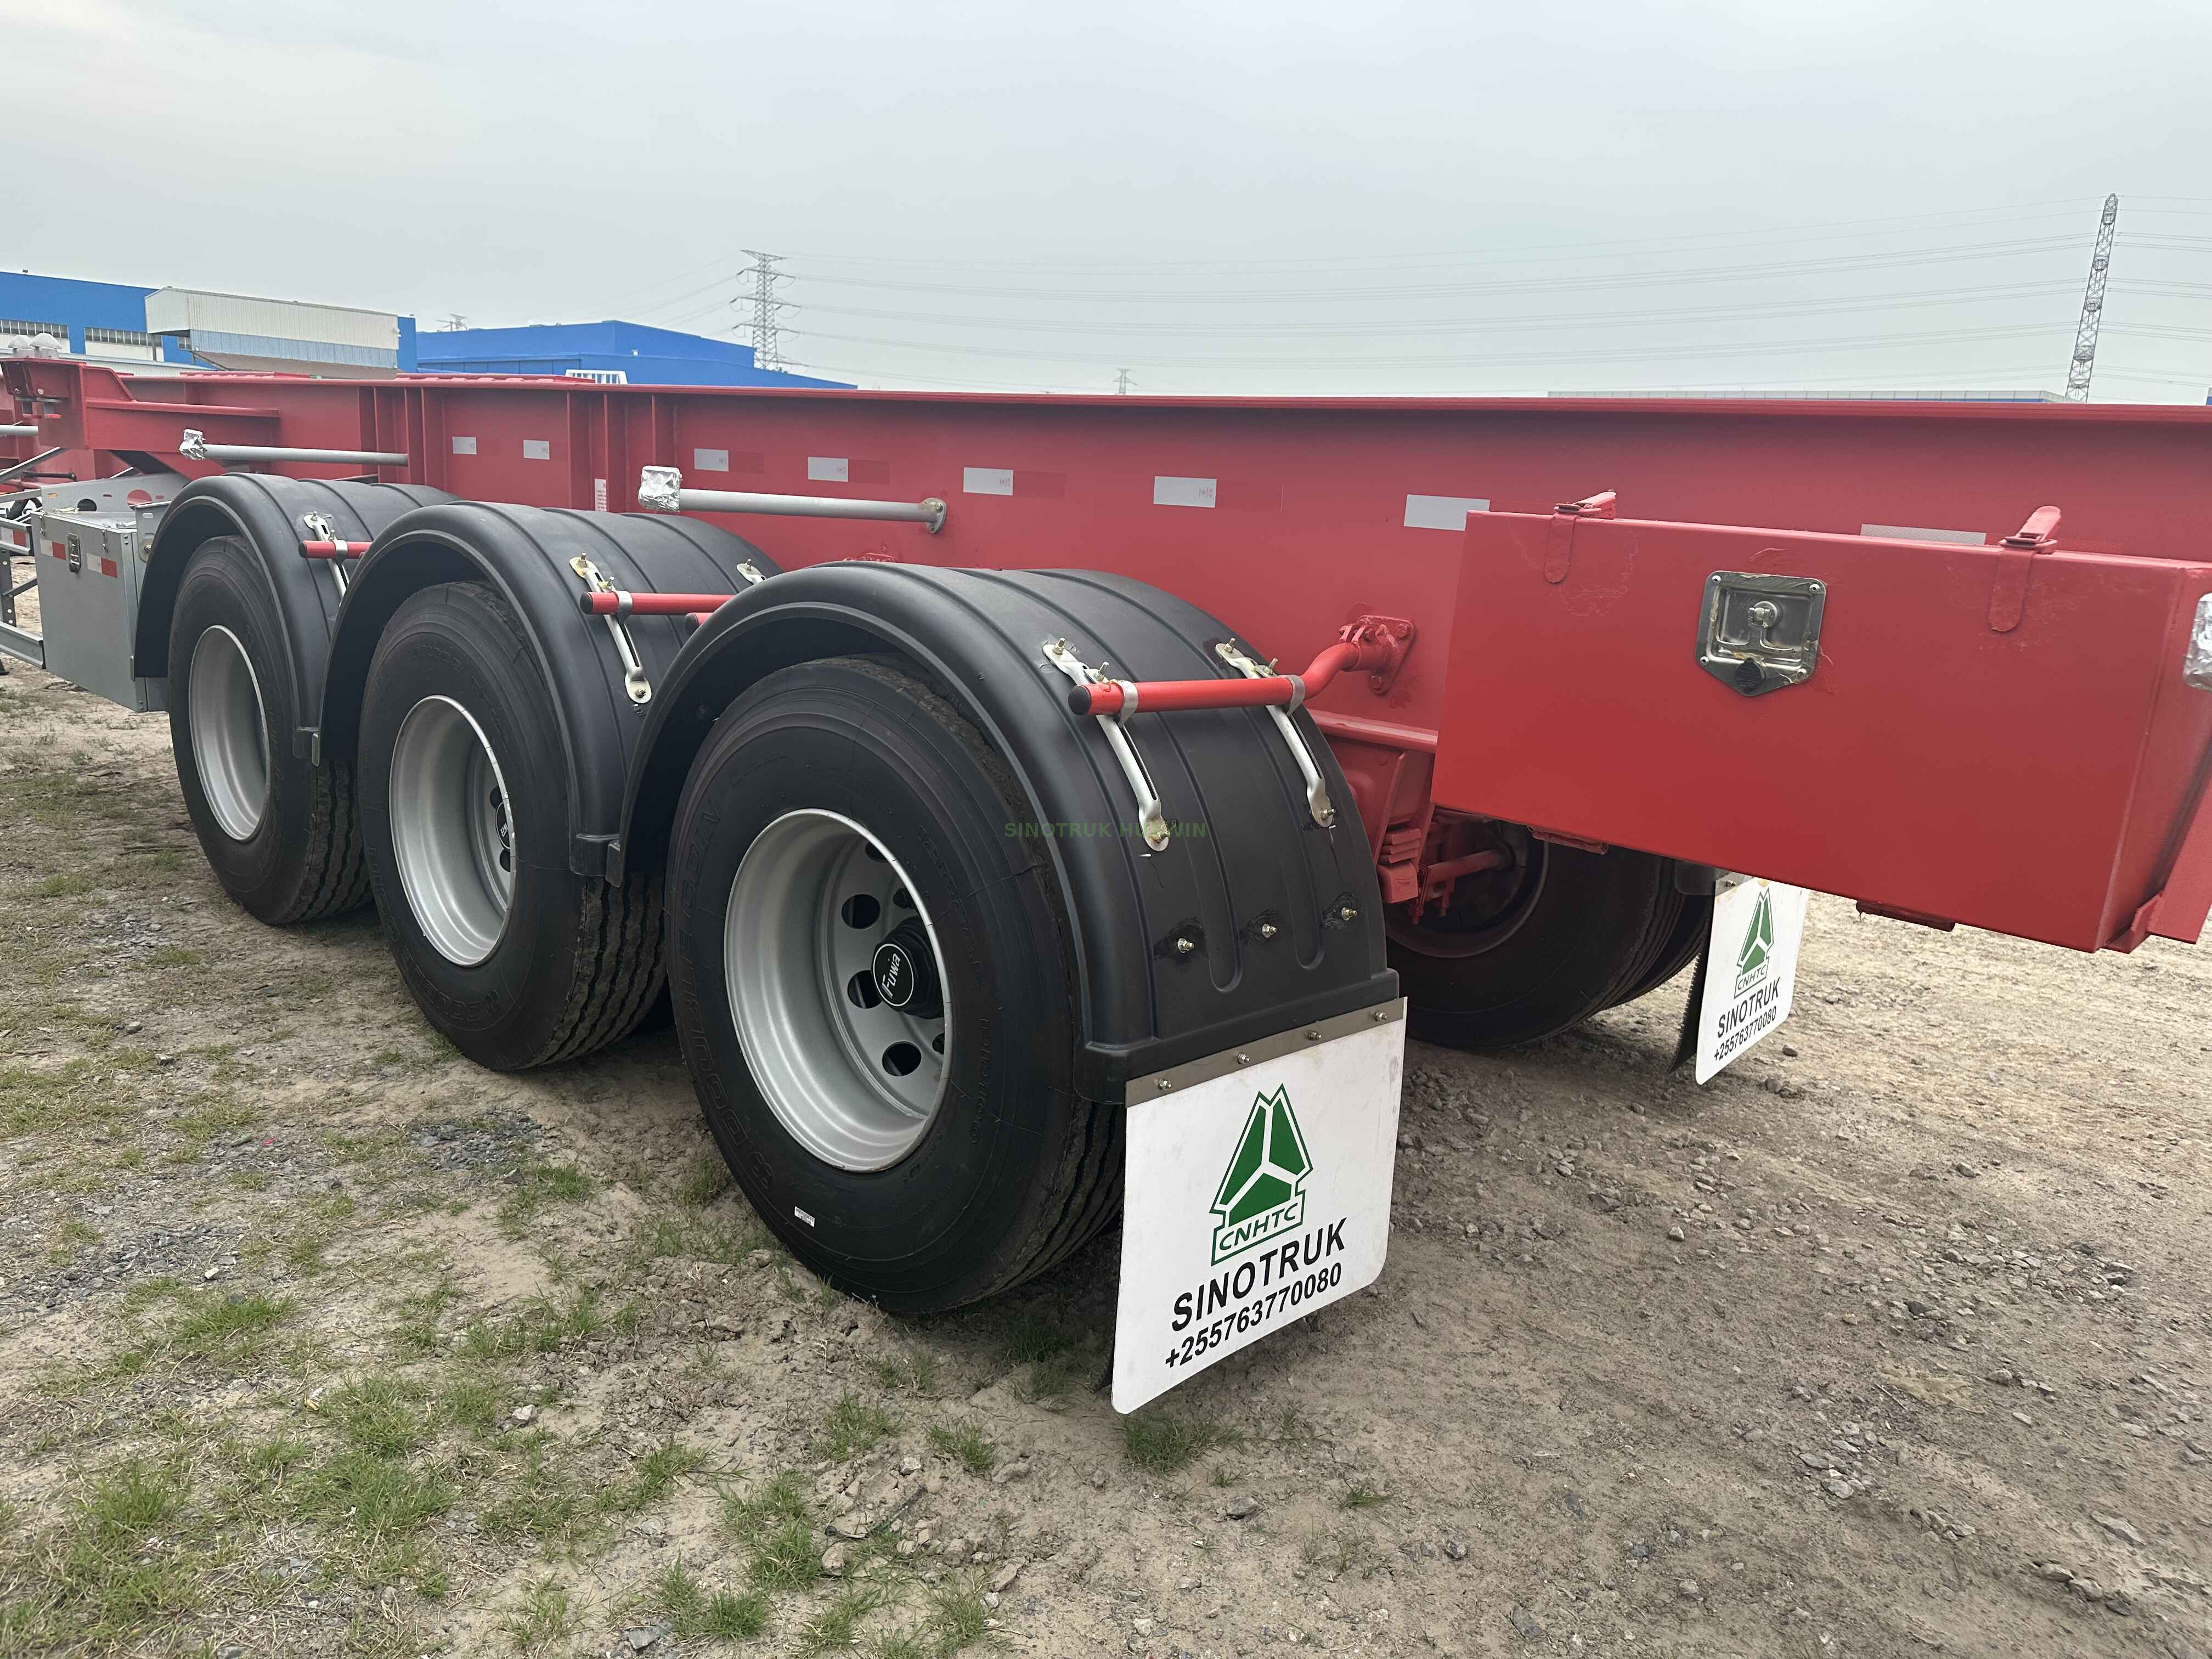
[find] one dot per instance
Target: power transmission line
(1727, 313)
(768, 338)
(2093, 306)
(1826, 230)
(1121, 382)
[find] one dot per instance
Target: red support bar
(332, 549)
(624, 603)
(1270, 692)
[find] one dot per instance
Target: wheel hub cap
(230, 733)
(836, 988)
(452, 830)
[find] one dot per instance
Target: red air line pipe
(332, 549)
(1270, 692)
(621, 603)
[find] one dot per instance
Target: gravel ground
(316, 1339)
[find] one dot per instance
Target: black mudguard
(1284, 914)
(525, 554)
(266, 511)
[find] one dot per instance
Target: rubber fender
(1255, 919)
(526, 553)
(266, 511)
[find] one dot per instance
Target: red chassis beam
(1560, 693)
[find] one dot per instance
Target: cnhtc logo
(1757, 947)
(1263, 1192)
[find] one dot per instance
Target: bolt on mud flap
(1257, 1188)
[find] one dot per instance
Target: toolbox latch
(1760, 633)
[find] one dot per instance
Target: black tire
(301, 857)
(1584, 929)
(577, 964)
(1013, 1169)
(1680, 950)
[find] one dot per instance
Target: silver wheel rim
(856, 1080)
(452, 830)
(230, 733)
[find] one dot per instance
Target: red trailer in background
(1573, 664)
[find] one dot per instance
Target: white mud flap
(1258, 1188)
(1751, 968)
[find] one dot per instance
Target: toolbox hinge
(2016, 561)
(1559, 538)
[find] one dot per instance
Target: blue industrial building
(88, 316)
(604, 350)
(171, 328)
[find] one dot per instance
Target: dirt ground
(316, 1339)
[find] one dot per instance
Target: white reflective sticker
(710, 460)
(1184, 492)
(1751, 966)
(1251, 1200)
(464, 445)
(986, 480)
(827, 469)
(802, 1215)
(1442, 512)
(1907, 532)
(537, 449)
(598, 494)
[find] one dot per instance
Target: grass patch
(175, 955)
(68, 884)
(750, 1518)
(377, 1497)
(541, 1501)
(540, 1326)
(542, 1617)
(539, 1186)
(1342, 1553)
(707, 1180)
(776, 1526)
(916, 1369)
(1361, 1495)
(101, 1584)
(225, 1330)
(1166, 1443)
(687, 1604)
(657, 1472)
(730, 1617)
(787, 1557)
(958, 1618)
(853, 1426)
(1032, 1341)
(696, 1238)
(834, 1629)
(381, 1417)
(471, 1403)
(968, 1445)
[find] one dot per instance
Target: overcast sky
(1423, 198)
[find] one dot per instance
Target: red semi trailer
(1044, 809)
